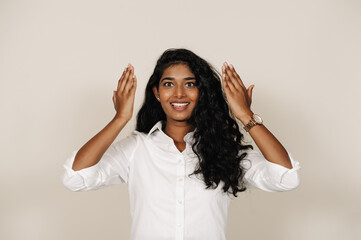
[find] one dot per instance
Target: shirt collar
(158, 127)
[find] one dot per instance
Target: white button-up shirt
(165, 203)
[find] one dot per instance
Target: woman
(185, 161)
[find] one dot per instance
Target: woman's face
(177, 92)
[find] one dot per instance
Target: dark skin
(123, 99)
(178, 96)
(239, 100)
(177, 85)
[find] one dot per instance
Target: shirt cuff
(285, 179)
(269, 176)
(291, 179)
(77, 180)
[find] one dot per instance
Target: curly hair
(217, 139)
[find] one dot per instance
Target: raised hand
(238, 96)
(123, 97)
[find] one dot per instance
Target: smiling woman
(177, 93)
(186, 160)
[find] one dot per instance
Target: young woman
(185, 161)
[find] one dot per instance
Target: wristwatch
(255, 120)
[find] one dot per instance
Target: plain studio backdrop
(61, 60)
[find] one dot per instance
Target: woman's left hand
(238, 96)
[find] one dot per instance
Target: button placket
(179, 204)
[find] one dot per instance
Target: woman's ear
(156, 93)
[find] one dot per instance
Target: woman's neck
(177, 130)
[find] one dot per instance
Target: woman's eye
(167, 84)
(190, 84)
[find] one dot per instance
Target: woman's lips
(180, 106)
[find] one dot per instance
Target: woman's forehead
(180, 70)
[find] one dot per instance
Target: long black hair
(217, 139)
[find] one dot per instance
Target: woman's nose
(179, 91)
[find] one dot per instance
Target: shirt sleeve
(112, 168)
(268, 176)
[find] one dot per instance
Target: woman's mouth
(180, 106)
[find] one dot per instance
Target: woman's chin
(178, 118)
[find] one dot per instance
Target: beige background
(60, 61)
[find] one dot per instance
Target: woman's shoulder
(130, 140)
(133, 136)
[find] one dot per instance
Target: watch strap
(249, 125)
(255, 120)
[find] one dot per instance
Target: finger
(235, 74)
(226, 88)
(228, 80)
(224, 75)
(129, 81)
(231, 77)
(126, 77)
(122, 77)
(114, 101)
(236, 77)
(134, 86)
(224, 83)
(229, 83)
(250, 91)
(223, 69)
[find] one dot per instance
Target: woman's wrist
(245, 117)
(119, 121)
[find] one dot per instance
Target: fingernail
(231, 66)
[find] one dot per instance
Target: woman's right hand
(123, 97)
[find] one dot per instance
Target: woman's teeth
(179, 104)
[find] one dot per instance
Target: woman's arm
(239, 100)
(123, 99)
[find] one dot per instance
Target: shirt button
(180, 201)
(180, 179)
(179, 225)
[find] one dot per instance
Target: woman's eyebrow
(171, 78)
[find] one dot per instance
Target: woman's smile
(179, 106)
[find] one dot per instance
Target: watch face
(257, 119)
